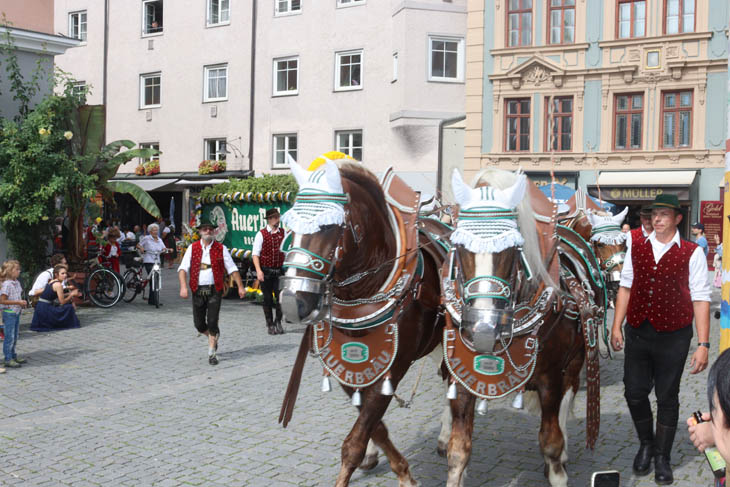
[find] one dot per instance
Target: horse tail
(290, 396)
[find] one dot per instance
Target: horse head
(488, 244)
(327, 221)
(609, 243)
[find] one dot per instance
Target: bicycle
(135, 283)
(102, 286)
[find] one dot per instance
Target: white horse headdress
(607, 229)
(487, 216)
(320, 200)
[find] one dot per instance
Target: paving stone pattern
(130, 400)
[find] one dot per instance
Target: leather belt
(205, 267)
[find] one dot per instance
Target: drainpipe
(440, 172)
(725, 303)
(253, 84)
(106, 57)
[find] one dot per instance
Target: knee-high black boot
(644, 424)
(277, 321)
(662, 466)
(269, 320)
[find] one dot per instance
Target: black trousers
(270, 287)
(154, 296)
(206, 308)
(655, 360)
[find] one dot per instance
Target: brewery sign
(638, 193)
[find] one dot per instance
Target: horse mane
(364, 178)
(502, 179)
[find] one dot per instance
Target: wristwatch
(704, 344)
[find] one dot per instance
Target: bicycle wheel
(132, 286)
(103, 288)
(155, 287)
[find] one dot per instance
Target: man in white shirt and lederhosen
(207, 262)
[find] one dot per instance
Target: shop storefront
(638, 188)
(542, 178)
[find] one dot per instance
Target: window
(215, 149)
(78, 88)
(627, 125)
(286, 76)
(562, 21)
(446, 59)
(151, 16)
(676, 119)
(287, 7)
(348, 70)
(77, 25)
(284, 144)
(150, 145)
(518, 125)
(349, 3)
(219, 12)
(349, 142)
(631, 18)
(519, 22)
(216, 83)
(395, 67)
(150, 90)
(560, 130)
(680, 16)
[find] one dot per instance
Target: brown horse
(350, 240)
(496, 294)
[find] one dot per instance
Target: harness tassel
(517, 402)
(451, 392)
(387, 388)
(482, 407)
(326, 386)
(356, 399)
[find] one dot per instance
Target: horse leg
(555, 408)
(445, 432)
(371, 457)
(462, 426)
(373, 407)
(398, 462)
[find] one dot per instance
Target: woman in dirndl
(49, 316)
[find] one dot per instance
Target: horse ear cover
(299, 174)
(462, 192)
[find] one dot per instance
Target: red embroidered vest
(271, 256)
(216, 262)
(660, 291)
(637, 233)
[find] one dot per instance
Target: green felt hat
(666, 201)
(205, 222)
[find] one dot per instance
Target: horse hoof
(441, 449)
(369, 462)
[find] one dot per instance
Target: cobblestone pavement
(130, 400)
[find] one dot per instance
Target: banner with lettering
(238, 223)
(711, 218)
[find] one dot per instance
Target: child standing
(11, 305)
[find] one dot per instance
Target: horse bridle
(616, 259)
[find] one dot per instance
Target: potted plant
(211, 166)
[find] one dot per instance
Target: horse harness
(512, 362)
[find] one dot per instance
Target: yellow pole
(725, 304)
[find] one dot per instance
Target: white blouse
(149, 244)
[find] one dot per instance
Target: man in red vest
(207, 262)
(664, 285)
(268, 259)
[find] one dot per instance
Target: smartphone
(609, 478)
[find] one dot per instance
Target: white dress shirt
(699, 284)
(258, 240)
(149, 244)
(40, 282)
(206, 275)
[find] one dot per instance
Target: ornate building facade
(622, 97)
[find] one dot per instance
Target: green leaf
(91, 121)
(139, 194)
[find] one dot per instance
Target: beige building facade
(250, 82)
(597, 90)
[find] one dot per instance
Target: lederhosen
(207, 298)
